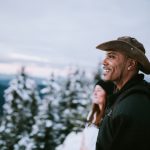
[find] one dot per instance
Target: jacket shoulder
(135, 105)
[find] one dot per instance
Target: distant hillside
(4, 84)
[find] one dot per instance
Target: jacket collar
(132, 82)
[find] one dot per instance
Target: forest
(36, 119)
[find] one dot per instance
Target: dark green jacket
(126, 125)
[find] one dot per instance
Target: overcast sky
(58, 33)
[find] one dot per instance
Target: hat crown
(132, 41)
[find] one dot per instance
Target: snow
(48, 123)
(85, 140)
(34, 124)
(24, 142)
(72, 142)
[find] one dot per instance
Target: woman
(100, 94)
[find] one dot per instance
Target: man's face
(114, 66)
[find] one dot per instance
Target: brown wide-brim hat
(131, 47)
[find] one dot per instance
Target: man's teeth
(106, 70)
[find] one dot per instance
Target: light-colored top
(89, 137)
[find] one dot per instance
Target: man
(126, 125)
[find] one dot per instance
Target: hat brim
(128, 49)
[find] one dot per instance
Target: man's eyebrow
(111, 52)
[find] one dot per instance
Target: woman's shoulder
(91, 130)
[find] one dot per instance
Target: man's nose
(104, 62)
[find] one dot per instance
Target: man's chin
(105, 77)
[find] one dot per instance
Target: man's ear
(132, 64)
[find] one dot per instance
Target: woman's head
(101, 90)
(107, 86)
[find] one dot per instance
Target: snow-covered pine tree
(74, 102)
(21, 105)
(98, 72)
(43, 131)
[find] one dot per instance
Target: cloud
(67, 32)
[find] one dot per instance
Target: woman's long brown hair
(95, 115)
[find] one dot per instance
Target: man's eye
(111, 56)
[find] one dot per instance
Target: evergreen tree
(43, 131)
(98, 73)
(21, 105)
(75, 98)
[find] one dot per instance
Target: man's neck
(123, 81)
